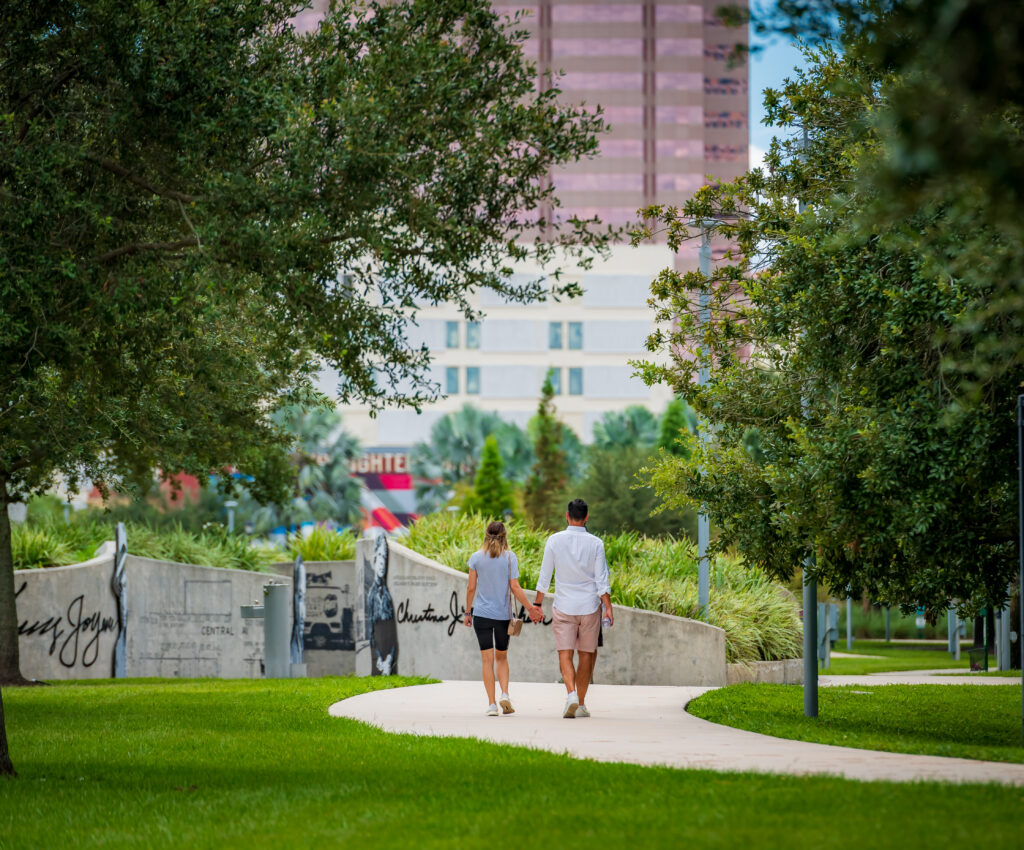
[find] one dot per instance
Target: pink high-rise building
(660, 70)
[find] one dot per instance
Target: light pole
(231, 504)
(810, 584)
(703, 524)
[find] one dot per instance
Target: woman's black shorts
(491, 634)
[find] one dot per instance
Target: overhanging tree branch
(115, 167)
(142, 247)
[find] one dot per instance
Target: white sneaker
(572, 703)
(582, 711)
(492, 710)
(506, 704)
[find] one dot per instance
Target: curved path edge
(644, 725)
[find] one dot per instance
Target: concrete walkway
(647, 725)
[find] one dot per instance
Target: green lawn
(893, 656)
(967, 721)
(230, 764)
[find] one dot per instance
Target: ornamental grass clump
(323, 544)
(760, 618)
(54, 544)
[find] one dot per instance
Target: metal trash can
(978, 656)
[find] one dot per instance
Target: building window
(452, 380)
(452, 334)
(472, 334)
(575, 381)
(576, 335)
(555, 335)
(473, 380)
(556, 380)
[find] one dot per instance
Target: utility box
(276, 615)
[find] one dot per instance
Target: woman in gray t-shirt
(493, 581)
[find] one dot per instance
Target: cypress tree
(492, 493)
(678, 417)
(544, 496)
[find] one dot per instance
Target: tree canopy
(200, 206)
(948, 146)
(845, 433)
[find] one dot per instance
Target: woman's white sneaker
(492, 710)
(506, 704)
(582, 711)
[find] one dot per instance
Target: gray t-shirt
(492, 577)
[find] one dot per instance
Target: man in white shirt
(577, 560)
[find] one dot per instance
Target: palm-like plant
(633, 427)
(325, 491)
(453, 451)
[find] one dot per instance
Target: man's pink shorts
(576, 631)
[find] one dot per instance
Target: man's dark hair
(577, 510)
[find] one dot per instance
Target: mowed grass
(893, 657)
(255, 764)
(966, 721)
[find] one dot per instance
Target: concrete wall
(185, 621)
(789, 671)
(181, 620)
(427, 599)
(67, 621)
(329, 636)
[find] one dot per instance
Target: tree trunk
(10, 664)
(6, 768)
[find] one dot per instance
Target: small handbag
(515, 625)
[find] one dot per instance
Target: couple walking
(576, 559)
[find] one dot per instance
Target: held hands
(536, 613)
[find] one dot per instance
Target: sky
(768, 69)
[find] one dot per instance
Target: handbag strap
(508, 587)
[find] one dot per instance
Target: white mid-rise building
(500, 362)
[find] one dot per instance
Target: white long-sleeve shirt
(576, 557)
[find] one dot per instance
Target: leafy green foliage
(951, 150)
(866, 451)
(210, 762)
(323, 489)
(546, 490)
(634, 427)
(619, 501)
(323, 544)
(492, 494)
(678, 420)
(924, 719)
(760, 619)
(453, 451)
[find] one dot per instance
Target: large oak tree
(200, 207)
(847, 433)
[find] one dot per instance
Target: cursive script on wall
(456, 611)
(74, 635)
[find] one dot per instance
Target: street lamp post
(231, 504)
(810, 584)
(703, 524)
